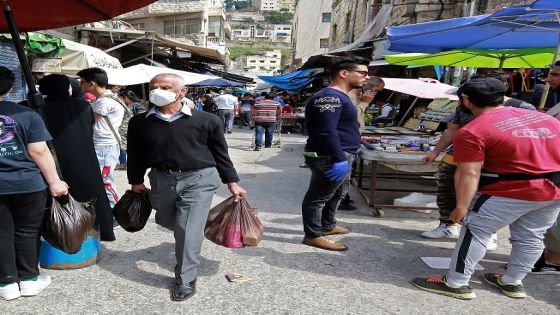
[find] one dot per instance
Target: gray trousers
(527, 221)
(182, 201)
(227, 115)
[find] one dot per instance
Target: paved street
(373, 277)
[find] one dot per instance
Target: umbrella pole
(408, 111)
(547, 86)
(34, 98)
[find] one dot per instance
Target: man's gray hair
(175, 77)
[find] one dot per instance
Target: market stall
(395, 153)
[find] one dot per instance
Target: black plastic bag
(133, 210)
(67, 222)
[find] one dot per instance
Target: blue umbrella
(524, 26)
(218, 82)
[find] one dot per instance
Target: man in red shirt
(509, 156)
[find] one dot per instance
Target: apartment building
(202, 22)
(311, 29)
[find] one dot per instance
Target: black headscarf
(55, 87)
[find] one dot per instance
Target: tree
(249, 20)
(275, 17)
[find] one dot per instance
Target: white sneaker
(31, 288)
(443, 230)
(492, 242)
(10, 291)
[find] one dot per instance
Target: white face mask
(161, 97)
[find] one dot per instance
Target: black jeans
(445, 191)
(20, 226)
(322, 197)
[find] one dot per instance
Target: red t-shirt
(513, 140)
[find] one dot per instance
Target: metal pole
(547, 86)
(408, 111)
(33, 97)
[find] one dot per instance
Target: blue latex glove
(338, 171)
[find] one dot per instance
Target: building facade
(266, 33)
(202, 22)
(267, 63)
(311, 29)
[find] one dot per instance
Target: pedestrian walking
(227, 107)
(504, 154)
(26, 164)
(108, 112)
(334, 138)
(134, 106)
(245, 111)
(265, 115)
(186, 151)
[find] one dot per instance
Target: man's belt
(448, 159)
(172, 171)
(487, 178)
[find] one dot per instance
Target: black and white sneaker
(542, 268)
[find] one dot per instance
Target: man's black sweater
(188, 143)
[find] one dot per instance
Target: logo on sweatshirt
(327, 104)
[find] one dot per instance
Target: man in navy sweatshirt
(334, 138)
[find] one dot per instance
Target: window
(272, 61)
(138, 26)
(326, 17)
(324, 43)
(216, 26)
(181, 27)
(252, 61)
(262, 61)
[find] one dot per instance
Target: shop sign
(46, 65)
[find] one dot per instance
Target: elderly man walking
(227, 106)
(334, 138)
(505, 155)
(187, 153)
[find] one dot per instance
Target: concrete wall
(309, 29)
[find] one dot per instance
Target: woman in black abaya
(70, 122)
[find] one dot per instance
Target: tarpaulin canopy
(508, 58)
(76, 57)
(201, 51)
(34, 15)
(422, 88)
(293, 81)
(142, 73)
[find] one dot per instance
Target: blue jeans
(268, 130)
(323, 196)
(122, 157)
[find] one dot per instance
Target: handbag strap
(113, 131)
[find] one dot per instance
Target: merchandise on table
(400, 143)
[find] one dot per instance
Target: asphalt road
(373, 277)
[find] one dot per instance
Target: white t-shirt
(226, 101)
(105, 106)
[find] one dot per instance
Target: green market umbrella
(477, 58)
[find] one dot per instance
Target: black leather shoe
(346, 207)
(182, 292)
